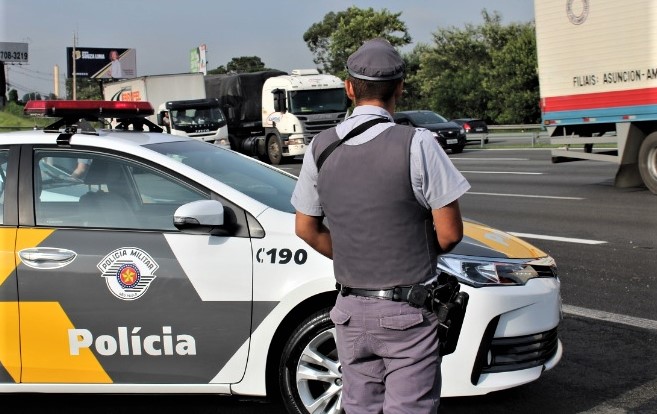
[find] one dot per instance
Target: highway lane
(523, 192)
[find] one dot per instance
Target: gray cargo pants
(389, 356)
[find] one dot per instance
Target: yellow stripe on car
(510, 245)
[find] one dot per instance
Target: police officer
(390, 196)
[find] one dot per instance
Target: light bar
(89, 108)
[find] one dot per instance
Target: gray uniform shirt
(435, 180)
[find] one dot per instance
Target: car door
(9, 338)
(110, 291)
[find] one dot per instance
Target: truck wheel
(648, 162)
(274, 150)
(310, 375)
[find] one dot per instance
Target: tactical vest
(382, 237)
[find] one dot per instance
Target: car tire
(310, 375)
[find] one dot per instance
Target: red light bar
(88, 108)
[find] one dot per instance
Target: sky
(164, 31)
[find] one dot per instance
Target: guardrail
(531, 132)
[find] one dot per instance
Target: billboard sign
(197, 60)
(102, 63)
(13, 52)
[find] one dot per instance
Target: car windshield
(266, 184)
(426, 118)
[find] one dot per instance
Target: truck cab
(297, 107)
(196, 118)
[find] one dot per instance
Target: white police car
(140, 262)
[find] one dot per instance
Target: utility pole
(56, 80)
(74, 70)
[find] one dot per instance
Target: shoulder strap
(356, 131)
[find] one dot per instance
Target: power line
(34, 74)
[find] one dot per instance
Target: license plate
(452, 141)
(479, 129)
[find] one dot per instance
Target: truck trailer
(181, 105)
(274, 115)
(597, 67)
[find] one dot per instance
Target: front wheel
(310, 372)
(274, 150)
(648, 162)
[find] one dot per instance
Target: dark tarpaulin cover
(241, 91)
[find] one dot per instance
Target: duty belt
(416, 295)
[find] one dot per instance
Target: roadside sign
(11, 52)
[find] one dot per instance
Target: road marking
(610, 317)
(557, 238)
(501, 172)
(525, 195)
(634, 398)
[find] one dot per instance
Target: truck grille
(313, 127)
(514, 353)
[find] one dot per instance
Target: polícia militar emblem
(128, 272)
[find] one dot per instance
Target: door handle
(46, 257)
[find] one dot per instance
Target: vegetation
(486, 71)
(339, 35)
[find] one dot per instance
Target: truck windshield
(318, 101)
(197, 116)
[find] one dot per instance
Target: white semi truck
(274, 115)
(182, 107)
(597, 66)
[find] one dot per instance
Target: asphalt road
(604, 240)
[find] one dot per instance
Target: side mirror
(200, 217)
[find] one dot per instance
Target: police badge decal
(128, 272)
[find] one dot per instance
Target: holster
(449, 304)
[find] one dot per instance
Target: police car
(140, 262)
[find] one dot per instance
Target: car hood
(442, 126)
(483, 241)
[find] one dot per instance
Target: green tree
(338, 35)
(32, 96)
(245, 64)
(486, 71)
(87, 88)
(513, 77)
(219, 70)
(413, 98)
(12, 95)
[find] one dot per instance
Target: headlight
(295, 141)
(435, 134)
(462, 131)
(483, 271)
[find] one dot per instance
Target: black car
(450, 135)
(473, 126)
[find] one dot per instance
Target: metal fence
(510, 134)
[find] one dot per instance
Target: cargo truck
(182, 107)
(274, 115)
(597, 67)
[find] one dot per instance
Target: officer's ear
(349, 89)
(399, 89)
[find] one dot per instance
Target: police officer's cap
(376, 60)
